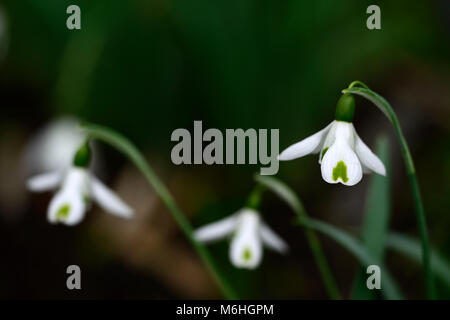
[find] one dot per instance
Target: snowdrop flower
(78, 188)
(248, 234)
(344, 157)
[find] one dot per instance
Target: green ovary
(340, 171)
(247, 254)
(63, 212)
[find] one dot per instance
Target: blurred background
(146, 68)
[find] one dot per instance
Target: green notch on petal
(63, 212)
(340, 171)
(323, 152)
(247, 255)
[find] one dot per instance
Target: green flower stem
(125, 146)
(254, 200)
(314, 243)
(359, 88)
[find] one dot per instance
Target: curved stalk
(388, 111)
(324, 269)
(347, 241)
(254, 199)
(125, 146)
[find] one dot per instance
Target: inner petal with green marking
(247, 254)
(323, 152)
(340, 171)
(63, 212)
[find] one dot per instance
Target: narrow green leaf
(125, 146)
(388, 286)
(289, 196)
(354, 246)
(411, 248)
(376, 220)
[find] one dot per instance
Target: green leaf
(354, 246)
(376, 220)
(293, 201)
(283, 191)
(359, 88)
(125, 146)
(411, 248)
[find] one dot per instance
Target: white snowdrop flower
(344, 157)
(248, 235)
(78, 188)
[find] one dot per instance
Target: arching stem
(359, 88)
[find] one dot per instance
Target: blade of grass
(328, 279)
(376, 220)
(125, 146)
(359, 88)
(411, 248)
(389, 287)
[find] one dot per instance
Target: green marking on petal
(63, 212)
(323, 152)
(340, 171)
(247, 254)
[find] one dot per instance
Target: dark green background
(146, 68)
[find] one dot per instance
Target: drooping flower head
(248, 235)
(343, 156)
(78, 188)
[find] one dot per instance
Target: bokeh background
(146, 68)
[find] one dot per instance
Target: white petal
(217, 230)
(108, 199)
(54, 146)
(272, 240)
(77, 181)
(365, 170)
(246, 247)
(69, 204)
(368, 159)
(312, 144)
(330, 138)
(340, 163)
(44, 182)
(67, 207)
